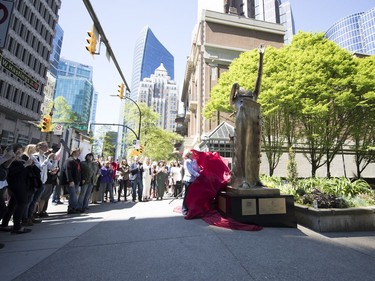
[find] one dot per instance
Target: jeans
(107, 186)
(184, 207)
(137, 183)
(56, 193)
(84, 196)
(73, 197)
(35, 199)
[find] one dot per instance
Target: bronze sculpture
(246, 159)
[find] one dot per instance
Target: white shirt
(176, 174)
(43, 163)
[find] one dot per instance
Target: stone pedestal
(262, 206)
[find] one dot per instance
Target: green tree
(63, 112)
(292, 174)
(109, 144)
(158, 143)
(362, 130)
(323, 96)
(277, 128)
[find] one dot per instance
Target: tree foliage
(363, 130)
(109, 144)
(63, 112)
(158, 143)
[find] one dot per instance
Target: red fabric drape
(214, 177)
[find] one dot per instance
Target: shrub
(329, 193)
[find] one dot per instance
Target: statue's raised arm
(237, 92)
(258, 82)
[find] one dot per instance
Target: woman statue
(246, 160)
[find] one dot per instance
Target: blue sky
(172, 22)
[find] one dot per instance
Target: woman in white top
(176, 178)
(146, 178)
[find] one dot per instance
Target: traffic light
(46, 124)
(141, 149)
(121, 90)
(92, 41)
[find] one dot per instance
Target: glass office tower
(149, 53)
(356, 33)
(54, 57)
(74, 83)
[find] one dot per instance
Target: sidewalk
(148, 241)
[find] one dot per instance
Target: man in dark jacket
(135, 176)
(73, 179)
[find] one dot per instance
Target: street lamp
(122, 97)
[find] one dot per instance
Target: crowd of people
(34, 175)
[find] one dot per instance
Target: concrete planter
(336, 220)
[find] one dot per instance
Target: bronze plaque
(249, 207)
(271, 206)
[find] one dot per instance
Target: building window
(23, 140)
(7, 138)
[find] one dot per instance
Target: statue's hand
(261, 49)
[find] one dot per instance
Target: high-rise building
(275, 11)
(287, 20)
(356, 32)
(74, 83)
(160, 93)
(23, 71)
(54, 58)
(149, 53)
(94, 106)
(74, 69)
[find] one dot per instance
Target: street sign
(10, 66)
(6, 8)
(58, 130)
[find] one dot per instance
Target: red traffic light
(46, 124)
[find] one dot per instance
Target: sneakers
(22, 230)
(73, 211)
(35, 220)
(43, 214)
(57, 202)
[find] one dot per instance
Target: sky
(172, 22)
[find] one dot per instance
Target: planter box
(336, 220)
